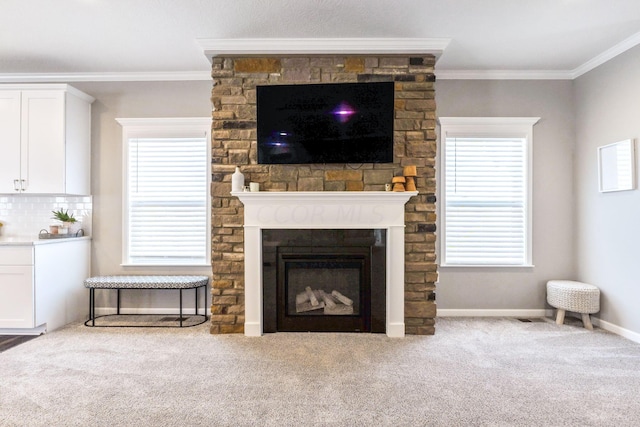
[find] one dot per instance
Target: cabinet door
(59, 272)
(16, 297)
(43, 141)
(9, 141)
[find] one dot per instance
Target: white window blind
(166, 185)
(486, 197)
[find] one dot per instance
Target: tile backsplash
(26, 215)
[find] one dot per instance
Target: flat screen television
(325, 123)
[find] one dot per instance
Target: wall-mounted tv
(325, 123)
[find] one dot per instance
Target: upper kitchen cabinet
(45, 138)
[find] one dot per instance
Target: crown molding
(503, 74)
(105, 77)
(387, 46)
(313, 46)
(593, 63)
(607, 55)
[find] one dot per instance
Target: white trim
(591, 64)
(324, 210)
(618, 330)
(315, 46)
(504, 74)
(133, 127)
(607, 55)
(490, 126)
(443, 312)
(24, 331)
(171, 266)
(501, 122)
(485, 266)
(52, 86)
(169, 122)
(146, 76)
(523, 313)
(390, 46)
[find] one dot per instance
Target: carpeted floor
(473, 372)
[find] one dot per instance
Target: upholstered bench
(144, 282)
(568, 295)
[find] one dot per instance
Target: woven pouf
(567, 295)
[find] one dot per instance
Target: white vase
(237, 180)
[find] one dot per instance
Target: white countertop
(34, 240)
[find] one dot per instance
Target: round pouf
(568, 295)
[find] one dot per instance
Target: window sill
(485, 266)
(167, 265)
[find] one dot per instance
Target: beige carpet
(473, 372)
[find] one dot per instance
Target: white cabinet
(45, 138)
(42, 285)
(16, 288)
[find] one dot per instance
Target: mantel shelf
(386, 197)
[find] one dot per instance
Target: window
(485, 191)
(165, 191)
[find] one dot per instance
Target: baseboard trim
(602, 324)
(252, 329)
(42, 329)
(443, 312)
(395, 330)
(618, 330)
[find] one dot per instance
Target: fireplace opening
(324, 292)
(336, 284)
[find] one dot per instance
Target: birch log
(302, 297)
(312, 296)
(306, 306)
(328, 300)
(342, 298)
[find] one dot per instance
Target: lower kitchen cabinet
(41, 285)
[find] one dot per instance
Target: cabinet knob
(16, 186)
(23, 184)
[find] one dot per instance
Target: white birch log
(342, 298)
(306, 306)
(302, 297)
(328, 300)
(339, 310)
(312, 297)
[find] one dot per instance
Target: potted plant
(67, 219)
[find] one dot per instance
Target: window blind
(167, 200)
(486, 201)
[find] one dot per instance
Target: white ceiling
(85, 39)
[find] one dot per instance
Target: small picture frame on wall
(616, 166)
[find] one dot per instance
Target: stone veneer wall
(234, 143)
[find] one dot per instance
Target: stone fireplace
(233, 310)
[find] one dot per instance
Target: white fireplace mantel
(324, 210)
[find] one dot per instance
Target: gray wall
(131, 99)
(516, 288)
(608, 224)
(601, 251)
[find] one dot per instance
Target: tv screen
(325, 123)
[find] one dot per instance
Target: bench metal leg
(118, 303)
(92, 306)
(196, 289)
(181, 308)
